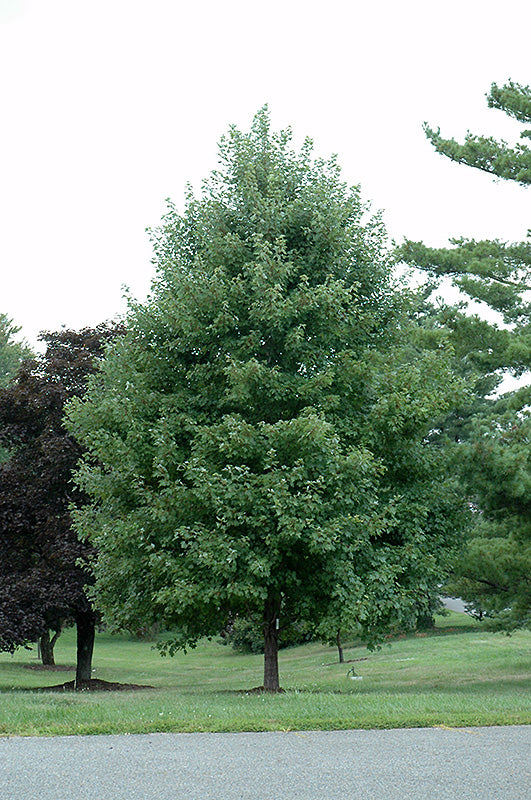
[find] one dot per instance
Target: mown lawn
(459, 675)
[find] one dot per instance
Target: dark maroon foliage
(43, 565)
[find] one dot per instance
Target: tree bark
(46, 646)
(86, 629)
(339, 647)
(46, 649)
(270, 625)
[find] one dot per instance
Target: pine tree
(494, 572)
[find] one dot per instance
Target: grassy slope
(459, 676)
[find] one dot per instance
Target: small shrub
(245, 635)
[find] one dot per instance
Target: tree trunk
(425, 622)
(46, 646)
(270, 625)
(46, 649)
(86, 629)
(339, 647)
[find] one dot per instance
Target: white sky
(110, 106)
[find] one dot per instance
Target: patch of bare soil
(93, 685)
(262, 690)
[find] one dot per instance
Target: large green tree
(494, 572)
(257, 442)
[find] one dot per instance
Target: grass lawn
(459, 675)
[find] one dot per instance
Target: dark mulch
(93, 685)
(261, 690)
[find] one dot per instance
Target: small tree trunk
(270, 625)
(425, 622)
(56, 635)
(46, 646)
(86, 629)
(339, 647)
(46, 649)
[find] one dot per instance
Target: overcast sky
(110, 106)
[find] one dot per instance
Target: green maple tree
(256, 444)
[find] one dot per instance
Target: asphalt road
(414, 764)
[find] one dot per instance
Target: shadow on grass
(467, 626)
(453, 630)
(493, 686)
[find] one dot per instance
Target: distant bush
(246, 636)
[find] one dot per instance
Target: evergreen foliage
(494, 573)
(12, 352)
(488, 154)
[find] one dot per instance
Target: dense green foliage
(12, 352)
(257, 443)
(494, 573)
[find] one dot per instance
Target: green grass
(459, 675)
